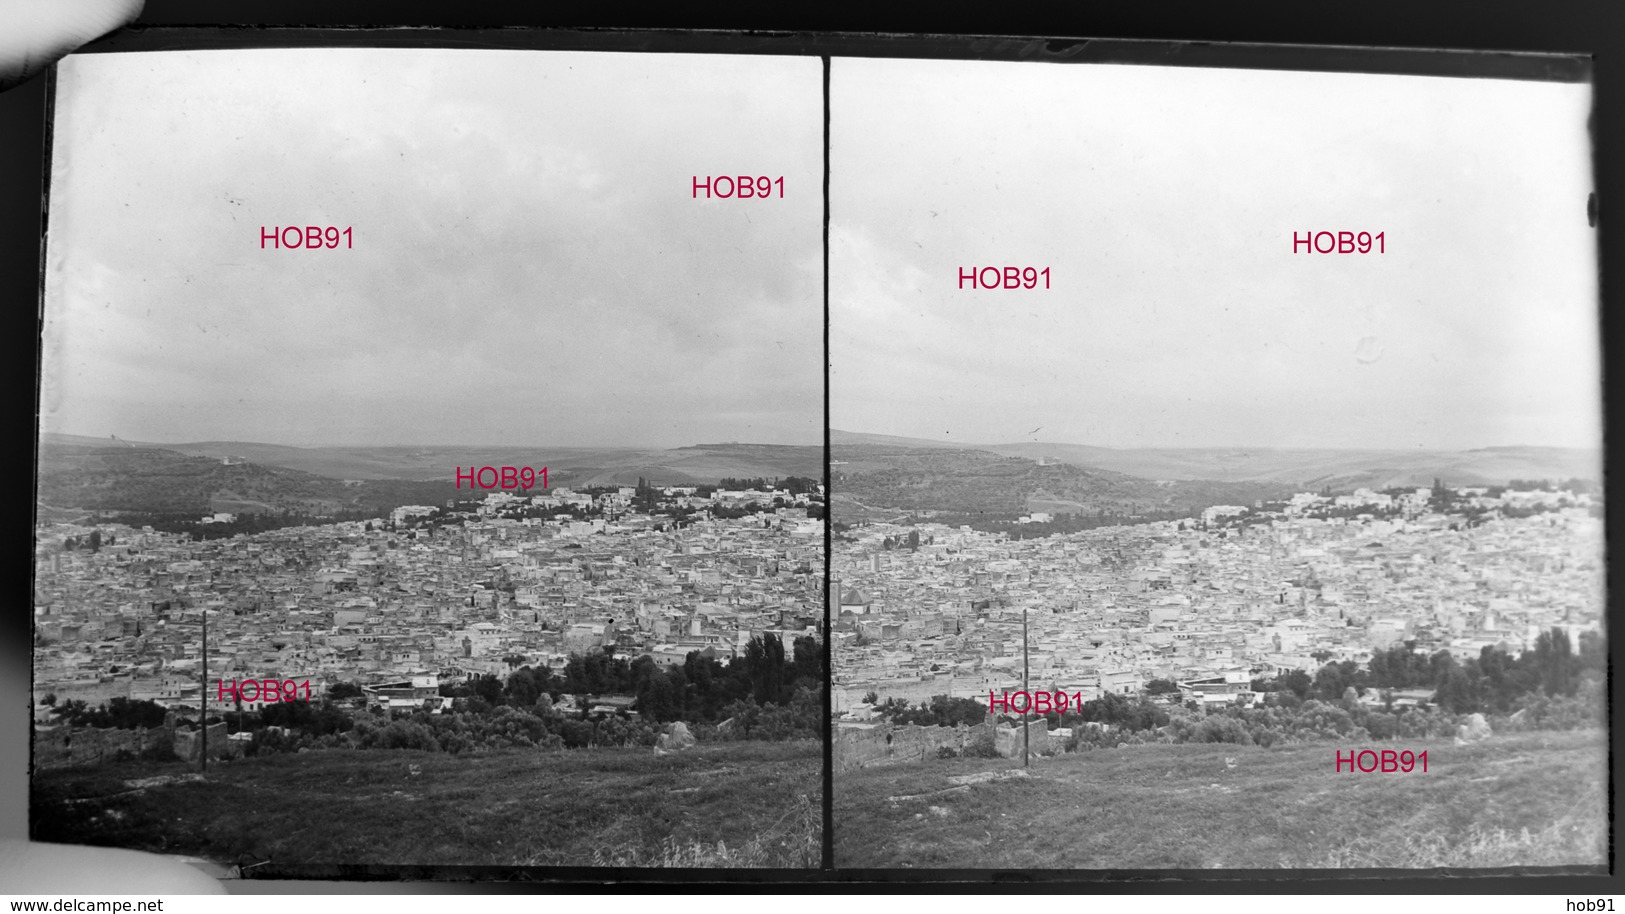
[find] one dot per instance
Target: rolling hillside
(964, 480)
(583, 466)
(82, 473)
(1304, 467)
(1526, 799)
(745, 804)
(1340, 469)
(156, 480)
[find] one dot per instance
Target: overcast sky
(528, 266)
(1164, 201)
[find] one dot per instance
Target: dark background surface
(1565, 27)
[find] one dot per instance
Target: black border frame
(1548, 31)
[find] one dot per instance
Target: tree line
(764, 693)
(245, 523)
(1491, 682)
(697, 690)
(795, 485)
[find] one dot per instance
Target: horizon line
(628, 447)
(1228, 447)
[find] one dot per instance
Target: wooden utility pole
(1026, 719)
(203, 698)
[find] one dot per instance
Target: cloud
(1164, 202)
(528, 263)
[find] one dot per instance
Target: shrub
(981, 744)
(1221, 730)
(1318, 720)
(576, 734)
(401, 734)
(616, 731)
(1087, 738)
(1381, 725)
(1420, 723)
(1584, 710)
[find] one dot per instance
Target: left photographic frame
(431, 465)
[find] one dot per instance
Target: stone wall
(74, 747)
(71, 747)
(1008, 741)
(887, 744)
(188, 743)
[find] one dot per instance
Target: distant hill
(1302, 467)
(82, 473)
(968, 480)
(582, 466)
(704, 463)
(1340, 469)
(141, 479)
(838, 438)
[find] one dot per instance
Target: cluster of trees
(1491, 682)
(912, 542)
(795, 485)
(1445, 500)
(1271, 724)
(1276, 721)
(318, 718)
(254, 522)
(93, 542)
(729, 512)
(761, 694)
(540, 726)
(700, 689)
(815, 510)
(646, 496)
(941, 711)
(534, 512)
(122, 713)
(1120, 711)
(1291, 714)
(1576, 485)
(1063, 523)
(1116, 710)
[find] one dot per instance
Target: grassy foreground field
(746, 804)
(1527, 799)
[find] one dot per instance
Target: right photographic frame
(1215, 467)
